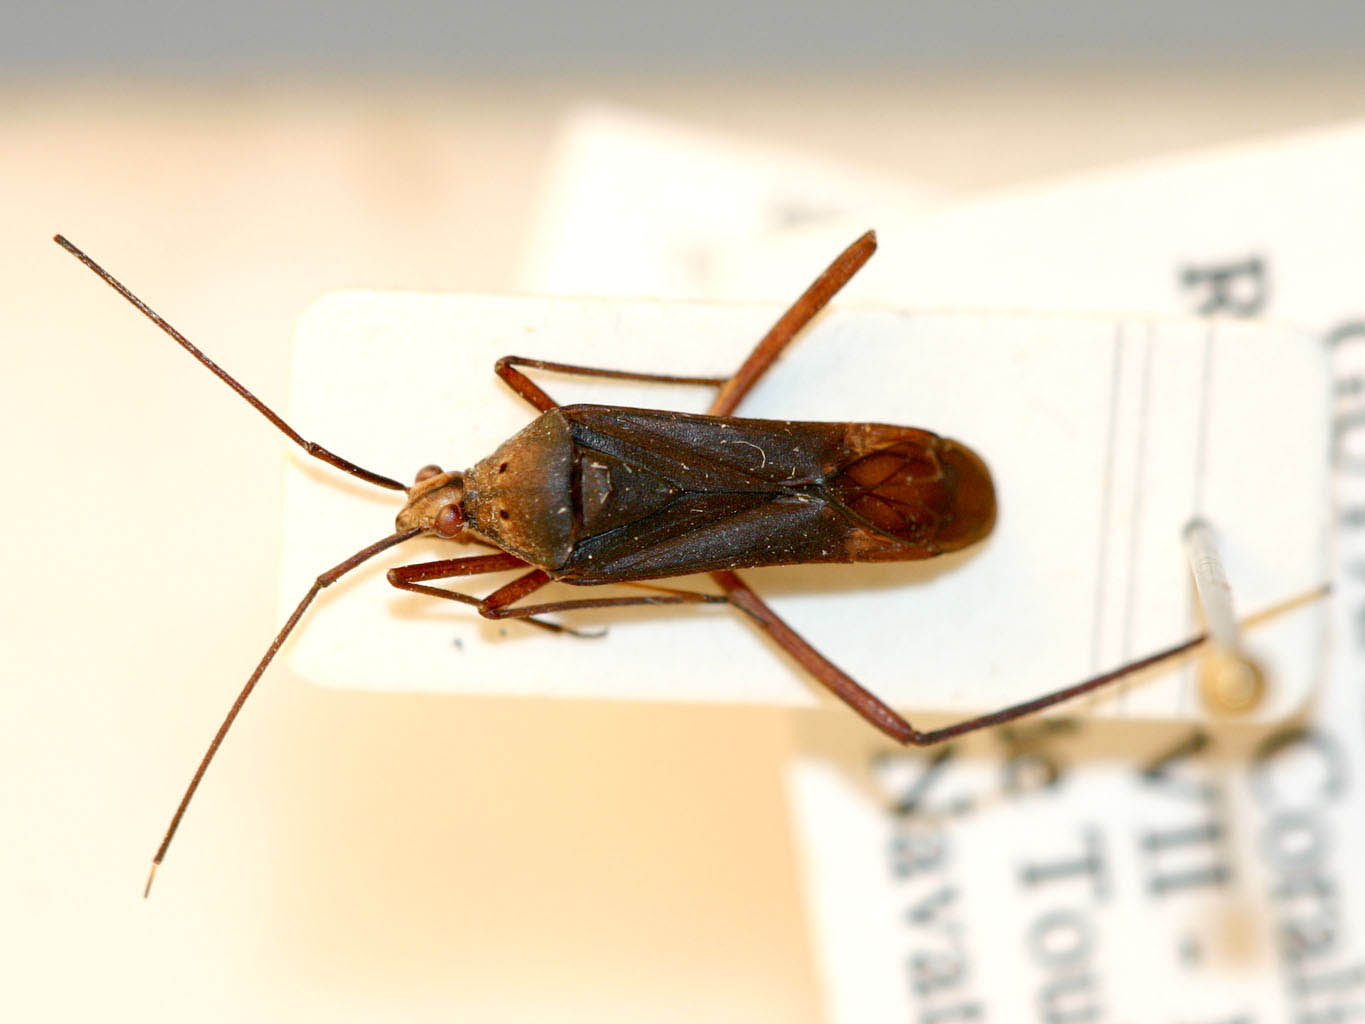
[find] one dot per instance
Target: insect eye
(449, 521)
(427, 472)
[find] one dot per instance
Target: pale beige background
(356, 857)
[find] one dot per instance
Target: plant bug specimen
(590, 494)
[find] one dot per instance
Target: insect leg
(765, 353)
(848, 690)
(1028, 707)
(733, 389)
(527, 389)
(411, 577)
(812, 300)
(830, 675)
(871, 707)
(497, 605)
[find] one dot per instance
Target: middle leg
(498, 605)
(506, 368)
(734, 388)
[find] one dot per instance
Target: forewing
(702, 532)
(710, 453)
(758, 492)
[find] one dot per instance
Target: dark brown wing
(721, 493)
(923, 491)
(712, 453)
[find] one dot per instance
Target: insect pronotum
(590, 494)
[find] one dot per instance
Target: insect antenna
(326, 579)
(312, 448)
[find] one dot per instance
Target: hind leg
(734, 388)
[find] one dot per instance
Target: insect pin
(592, 494)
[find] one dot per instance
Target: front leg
(413, 577)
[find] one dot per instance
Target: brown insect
(590, 494)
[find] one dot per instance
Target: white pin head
(1230, 680)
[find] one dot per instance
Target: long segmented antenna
(326, 579)
(312, 448)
